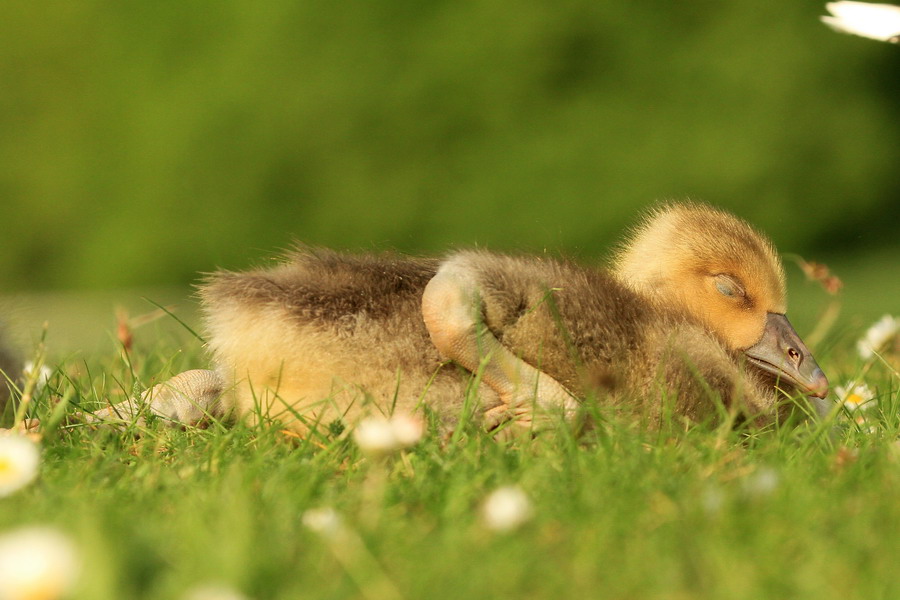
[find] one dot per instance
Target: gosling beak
(782, 353)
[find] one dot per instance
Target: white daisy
(875, 21)
(41, 378)
(407, 429)
(37, 563)
(855, 396)
(378, 436)
(20, 459)
(506, 509)
(878, 336)
(762, 482)
(325, 521)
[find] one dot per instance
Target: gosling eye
(729, 287)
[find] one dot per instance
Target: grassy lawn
(800, 512)
(617, 513)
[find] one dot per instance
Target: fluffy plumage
(682, 253)
(325, 335)
(689, 320)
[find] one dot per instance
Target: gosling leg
(452, 308)
(188, 398)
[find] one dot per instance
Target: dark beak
(782, 353)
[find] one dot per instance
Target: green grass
(618, 513)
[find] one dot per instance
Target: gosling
(690, 320)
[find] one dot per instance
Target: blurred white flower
(855, 396)
(376, 436)
(379, 436)
(213, 591)
(761, 482)
(506, 508)
(325, 521)
(408, 429)
(875, 21)
(20, 459)
(37, 563)
(712, 500)
(878, 336)
(41, 378)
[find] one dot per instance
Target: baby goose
(727, 275)
(692, 311)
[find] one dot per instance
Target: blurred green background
(144, 142)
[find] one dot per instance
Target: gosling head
(721, 271)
